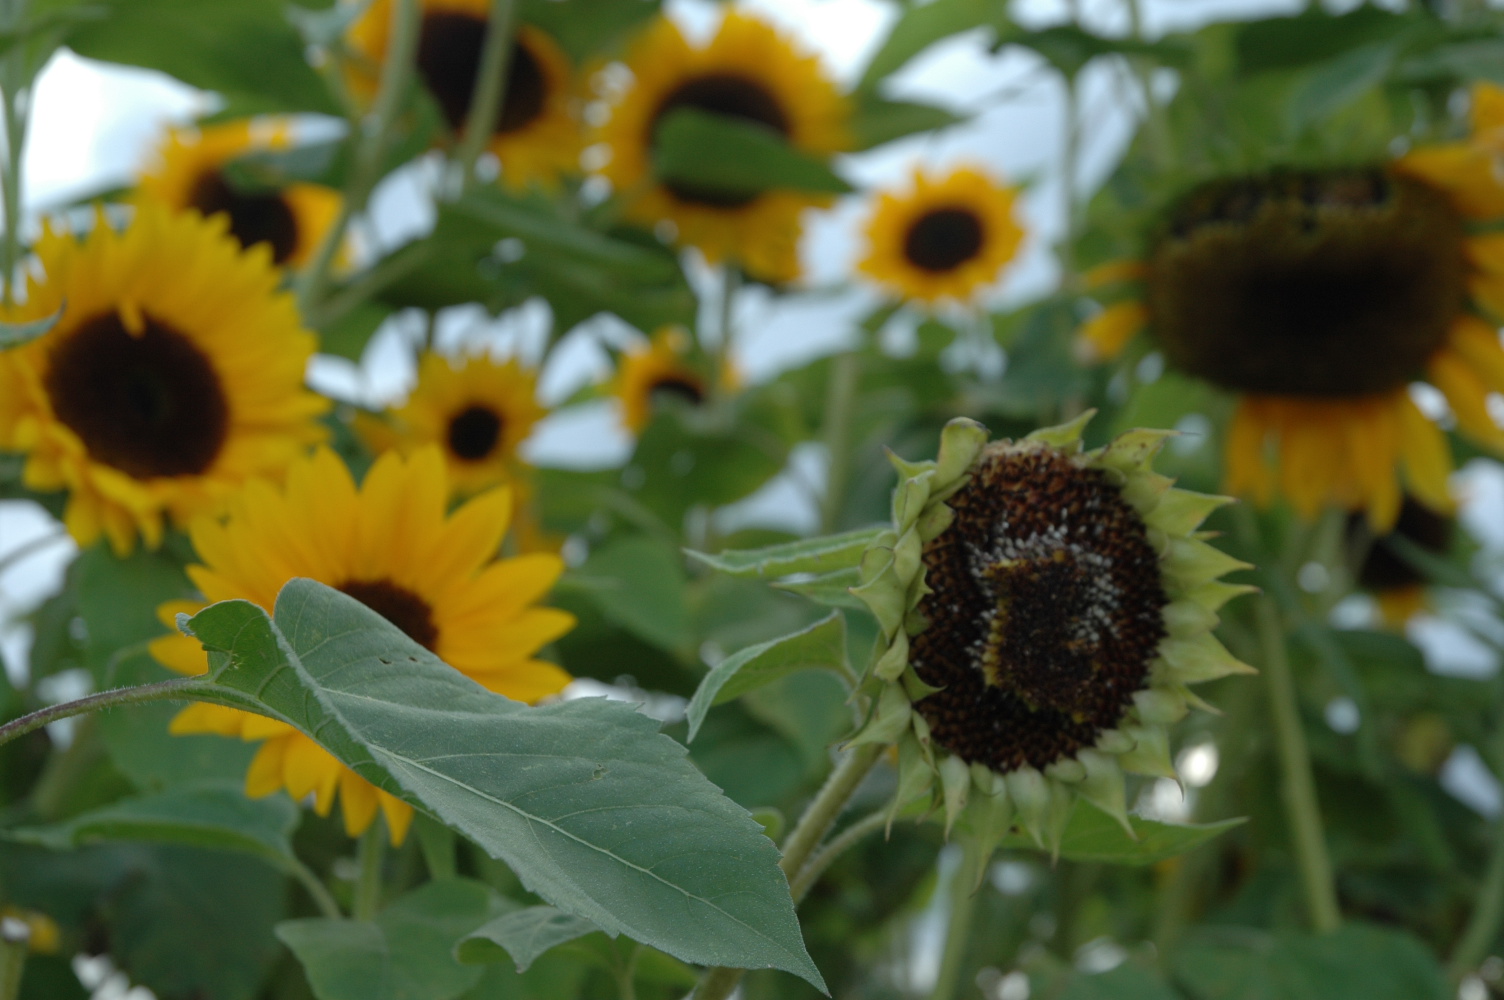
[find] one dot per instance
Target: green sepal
(916, 775)
(955, 785)
(878, 557)
(1057, 816)
(1159, 707)
(909, 470)
(886, 598)
(1114, 741)
(1133, 452)
(1030, 793)
(961, 442)
(933, 522)
(915, 687)
(909, 500)
(1066, 436)
(1181, 512)
(1068, 770)
(1199, 659)
(1191, 562)
(1150, 755)
(1103, 787)
(1213, 594)
(1186, 619)
(989, 818)
(1145, 490)
(890, 666)
(908, 556)
(889, 719)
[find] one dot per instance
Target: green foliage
(1093, 836)
(522, 936)
(699, 150)
(821, 646)
(567, 825)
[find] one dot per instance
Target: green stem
(957, 933)
(1070, 157)
(372, 143)
(1488, 915)
(822, 811)
(314, 886)
(13, 947)
(833, 849)
(730, 282)
(490, 90)
(370, 851)
(177, 689)
(840, 399)
(29, 548)
(1298, 786)
(12, 73)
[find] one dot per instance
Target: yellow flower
(478, 412)
(1043, 610)
(1318, 296)
(187, 173)
(748, 72)
(173, 376)
(947, 238)
(537, 135)
(1397, 586)
(660, 369)
(390, 545)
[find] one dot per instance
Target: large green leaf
(595, 810)
(1092, 835)
(822, 646)
(825, 554)
(16, 334)
(1355, 962)
(876, 121)
(639, 583)
(922, 25)
(704, 151)
(522, 936)
(246, 50)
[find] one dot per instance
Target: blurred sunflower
(188, 172)
(747, 72)
(1043, 609)
(173, 375)
(946, 238)
(1318, 296)
(478, 412)
(662, 369)
(536, 135)
(1397, 586)
(390, 545)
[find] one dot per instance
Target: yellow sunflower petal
(357, 799)
(1109, 331)
(1468, 397)
(264, 777)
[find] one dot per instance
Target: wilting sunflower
(748, 72)
(478, 412)
(1043, 610)
(661, 370)
(173, 375)
(389, 545)
(946, 238)
(188, 172)
(1397, 585)
(536, 135)
(1318, 296)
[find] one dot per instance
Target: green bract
(1043, 610)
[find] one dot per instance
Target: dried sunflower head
(1043, 610)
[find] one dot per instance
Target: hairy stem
(840, 398)
(1298, 786)
(731, 281)
(315, 888)
(833, 849)
(370, 851)
(1488, 915)
(176, 689)
(490, 90)
(13, 117)
(957, 932)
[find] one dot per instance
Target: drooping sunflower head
(536, 135)
(477, 410)
(390, 544)
(173, 375)
(662, 369)
(1318, 297)
(187, 173)
(1396, 584)
(948, 237)
(1043, 609)
(750, 73)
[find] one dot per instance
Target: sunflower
(1318, 296)
(173, 375)
(1042, 610)
(946, 238)
(750, 73)
(663, 369)
(390, 545)
(1397, 586)
(479, 412)
(188, 172)
(536, 135)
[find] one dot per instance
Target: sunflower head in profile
(478, 411)
(1043, 610)
(661, 370)
(390, 545)
(1317, 296)
(536, 135)
(173, 374)
(749, 73)
(1396, 584)
(187, 173)
(948, 237)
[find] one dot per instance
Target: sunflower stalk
(373, 139)
(176, 689)
(840, 399)
(731, 281)
(963, 903)
(833, 849)
(370, 852)
(490, 90)
(14, 120)
(1487, 918)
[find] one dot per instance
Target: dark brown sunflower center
(1384, 568)
(678, 387)
(1047, 609)
(474, 432)
(731, 96)
(149, 405)
(943, 239)
(1337, 283)
(398, 605)
(255, 217)
(449, 51)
